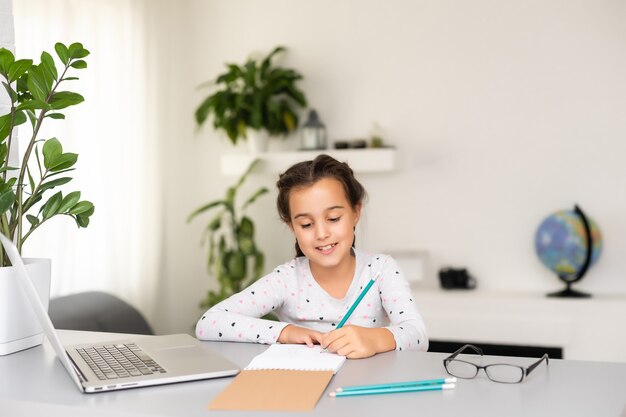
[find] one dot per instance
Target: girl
(321, 202)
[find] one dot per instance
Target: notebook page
(297, 357)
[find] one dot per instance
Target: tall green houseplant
(255, 95)
(35, 96)
(233, 257)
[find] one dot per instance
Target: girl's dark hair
(307, 173)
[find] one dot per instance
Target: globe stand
(568, 292)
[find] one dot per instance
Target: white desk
(33, 383)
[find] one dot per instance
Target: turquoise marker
(415, 388)
(439, 381)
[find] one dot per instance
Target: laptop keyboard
(119, 361)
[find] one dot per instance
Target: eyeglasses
(497, 372)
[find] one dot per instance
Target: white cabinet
(586, 329)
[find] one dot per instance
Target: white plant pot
(258, 141)
(19, 326)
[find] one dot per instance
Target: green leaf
(237, 266)
(202, 112)
(252, 165)
(246, 228)
(64, 161)
(56, 116)
(82, 53)
(205, 208)
(54, 183)
(4, 169)
(80, 64)
(5, 123)
(37, 83)
(81, 207)
(246, 245)
(63, 99)
(4, 186)
(69, 201)
(19, 68)
(33, 105)
(245, 237)
(254, 197)
(6, 60)
(89, 212)
(12, 94)
(231, 192)
(7, 198)
(259, 264)
(34, 221)
(32, 118)
(32, 200)
(75, 50)
(216, 222)
(31, 181)
(62, 52)
(48, 67)
(265, 65)
(82, 221)
(51, 207)
(52, 150)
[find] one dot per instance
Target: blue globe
(561, 242)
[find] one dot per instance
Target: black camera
(456, 278)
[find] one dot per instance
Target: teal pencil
(356, 303)
(438, 381)
(360, 297)
(415, 388)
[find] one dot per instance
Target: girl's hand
(300, 335)
(357, 342)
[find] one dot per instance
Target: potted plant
(27, 197)
(233, 258)
(254, 100)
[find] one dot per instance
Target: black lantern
(313, 135)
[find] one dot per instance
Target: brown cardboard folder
(273, 390)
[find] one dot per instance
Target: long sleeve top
(293, 295)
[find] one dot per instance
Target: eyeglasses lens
(504, 373)
(461, 369)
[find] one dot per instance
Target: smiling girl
(321, 202)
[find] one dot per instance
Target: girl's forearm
(383, 340)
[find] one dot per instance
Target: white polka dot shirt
(293, 295)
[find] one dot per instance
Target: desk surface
(33, 382)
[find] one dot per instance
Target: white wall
(7, 40)
(503, 112)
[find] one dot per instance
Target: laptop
(138, 361)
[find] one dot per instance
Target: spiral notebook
(282, 378)
(297, 358)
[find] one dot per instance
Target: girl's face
(323, 221)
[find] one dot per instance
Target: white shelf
(360, 160)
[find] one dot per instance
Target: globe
(562, 243)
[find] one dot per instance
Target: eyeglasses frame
(525, 371)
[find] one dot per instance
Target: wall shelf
(360, 160)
